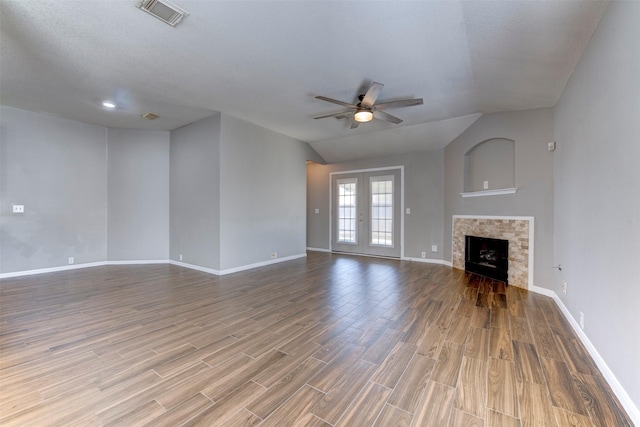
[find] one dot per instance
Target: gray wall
(597, 192)
(195, 193)
(138, 195)
(423, 180)
(101, 194)
(481, 161)
(57, 168)
(238, 193)
(263, 194)
(531, 130)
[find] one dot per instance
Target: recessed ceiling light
(108, 104)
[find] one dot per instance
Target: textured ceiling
(264, 61)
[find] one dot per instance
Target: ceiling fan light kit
(363, 116)
(364, 111)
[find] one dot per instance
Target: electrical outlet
(71, 260)
(180, 256)
(564, 287)
(317, 210)
(274, 255)
(423, 254)
(485, 185)
(408, 211)
(581, 320)
(434, 248)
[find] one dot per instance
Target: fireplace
(518, 230)
(487, 257)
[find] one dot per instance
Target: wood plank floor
(330, 340)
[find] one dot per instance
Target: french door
(366, 212)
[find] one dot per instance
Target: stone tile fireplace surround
(518, 230)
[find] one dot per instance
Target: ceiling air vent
(149, 116)
(164, 11)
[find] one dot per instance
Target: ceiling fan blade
(372, 94)
(335, 101)
(400, 103)
(339, 115)
(381, 115)
(354, 124)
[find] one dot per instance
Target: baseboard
(138, 262)
(196, 267)
(237, 269)
(156, 261)
(428, 261)
(261, 264)
(318, 250)
(543, 291)
(51, 269)
(618, 390)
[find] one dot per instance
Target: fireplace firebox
(487, 257)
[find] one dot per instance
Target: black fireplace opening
(487, 257)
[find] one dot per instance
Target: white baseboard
(262, 264)
(155, 261)
(138, 262)
(237, 269)
(85, 265)
(618, 390)
(196, 267)
(543, 291)
(51, 269)
(428, 261)
(318, 250)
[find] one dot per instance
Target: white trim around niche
(496, 192)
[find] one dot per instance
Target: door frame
(402, 212)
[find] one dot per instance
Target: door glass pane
(382, 211)
(347, 208)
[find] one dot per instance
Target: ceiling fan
(367, 109)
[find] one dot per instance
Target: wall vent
(164, 11)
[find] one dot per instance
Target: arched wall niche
(490, 165)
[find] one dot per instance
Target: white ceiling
(264, 61)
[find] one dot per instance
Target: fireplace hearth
(487, 257)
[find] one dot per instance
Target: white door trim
(402, 213)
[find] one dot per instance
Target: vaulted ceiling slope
(265, 61)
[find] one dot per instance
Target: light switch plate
(18, 208)
(434, 248)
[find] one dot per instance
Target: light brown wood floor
(327, 340)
